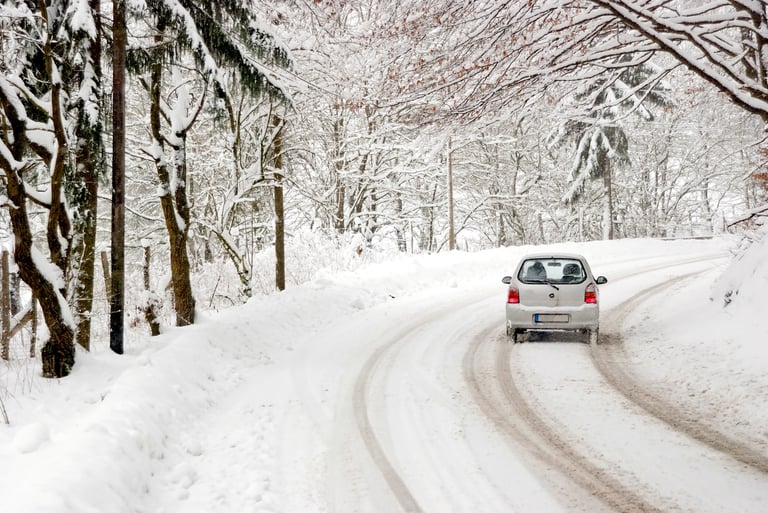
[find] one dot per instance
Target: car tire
(594, 336)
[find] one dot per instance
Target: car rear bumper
(555, 318)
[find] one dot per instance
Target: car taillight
(590, 294)
(513, 296)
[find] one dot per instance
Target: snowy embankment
(100, 439)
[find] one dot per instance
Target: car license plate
(551, 318)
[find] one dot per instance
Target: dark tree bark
(83, 196)
(117, 264)
(610, 232)
(451, 223)
(150, 308)
(277, 147)
(173, 201)
(339, 222)
(58, 353)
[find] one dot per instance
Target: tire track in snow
(488, 373)
(609, 356)
(401, 492)
(369, 394)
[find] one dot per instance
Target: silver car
(553, 292)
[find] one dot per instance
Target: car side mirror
(506, 279)
(601, 279)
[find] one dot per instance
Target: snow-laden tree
(51, 152)
(235, 208)
(201, 45)
(690, 165)
(87, 100)
(597, 127)
(501, 50)
(722, 41)
(528, 52)
(504, 185)
(481, 60)
(357, 144)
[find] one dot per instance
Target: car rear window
(552, 270)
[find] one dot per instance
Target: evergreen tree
(600, 139)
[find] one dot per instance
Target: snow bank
(746, 279)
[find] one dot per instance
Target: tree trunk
(451, 225)
(608, 214)
(117, 262)
(5, 307)
(173, 203)
(89, 167)
(58, 354)
(150, 308)
(183, 297)
(277, 147)
(117, 255)
(57, 230)
(402, 245)
(179, 235)
(339, 222)
(15, 293)
(708, 214)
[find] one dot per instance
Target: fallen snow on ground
(163, 426)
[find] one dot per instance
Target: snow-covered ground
(353, 392)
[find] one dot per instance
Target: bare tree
(504, 51)
(722, 41)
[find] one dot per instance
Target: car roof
(532, 256)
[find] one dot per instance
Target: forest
(159, 158)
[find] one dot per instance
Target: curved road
(446, 416)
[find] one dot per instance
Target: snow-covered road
(404, 395)
(440, 413)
